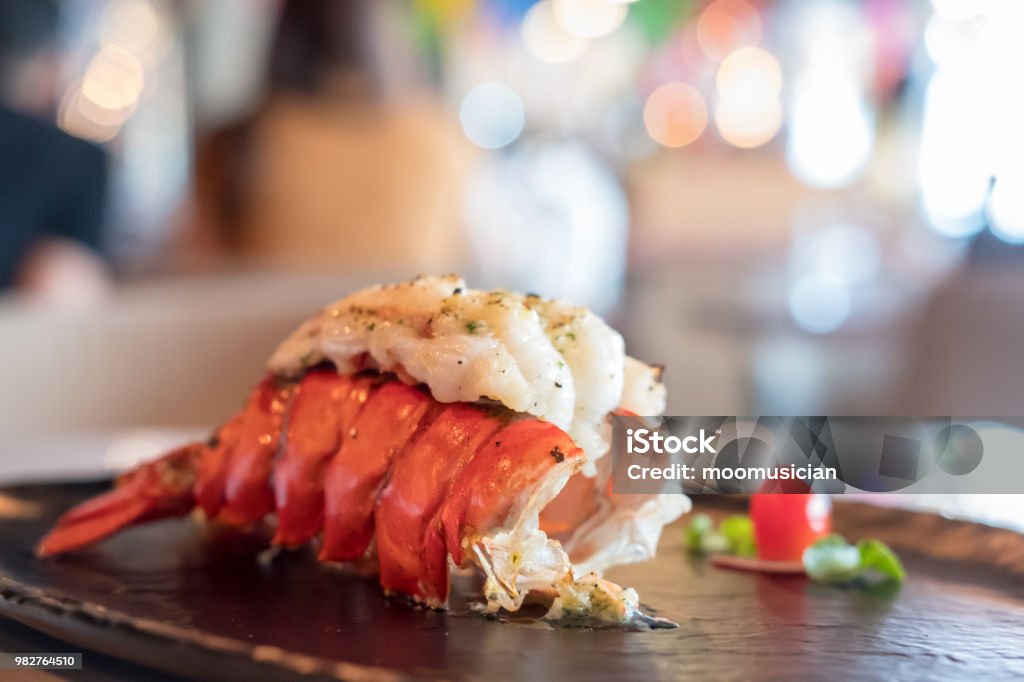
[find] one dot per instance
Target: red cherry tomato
(787, 524)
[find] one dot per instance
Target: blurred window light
(589, 18)
(675, 115)
(492, 115)
(972, 132)
(749, 112)
(726, 25)
(1000, 56)
(832, 34)
(819, 303)
(546, 40)
(959, 10)
(953, 168)
(831, 132)
(950, 42)
(1006, 208)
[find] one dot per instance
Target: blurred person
(52, 185)
(340, 165)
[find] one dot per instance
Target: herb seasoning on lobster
(420, 422)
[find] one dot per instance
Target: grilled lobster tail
(419, 421)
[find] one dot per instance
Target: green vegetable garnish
(876, 556)
(715, 543)
(739, 533)
(834, 560)
(700, 526)
(734, 536)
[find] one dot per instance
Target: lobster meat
(361, 458)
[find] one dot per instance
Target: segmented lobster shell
(348, 459)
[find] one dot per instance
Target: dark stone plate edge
(200, 656)
(221, 658)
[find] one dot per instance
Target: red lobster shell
(352, 459)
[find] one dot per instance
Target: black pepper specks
(557, 454)
(558, 385)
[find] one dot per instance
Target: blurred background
(799, 207)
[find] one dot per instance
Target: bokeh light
(133, 37)
(492, 115)
(831, 131)
(749, 111)
(81, 117)
(96, 107)
(819, 303)
(675, 115)
(831, 125)
(589, 18)
(750, 67)
(746, 126)
(726, 25)
(114, 78)
(546, 40)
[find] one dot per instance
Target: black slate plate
(171, 597)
